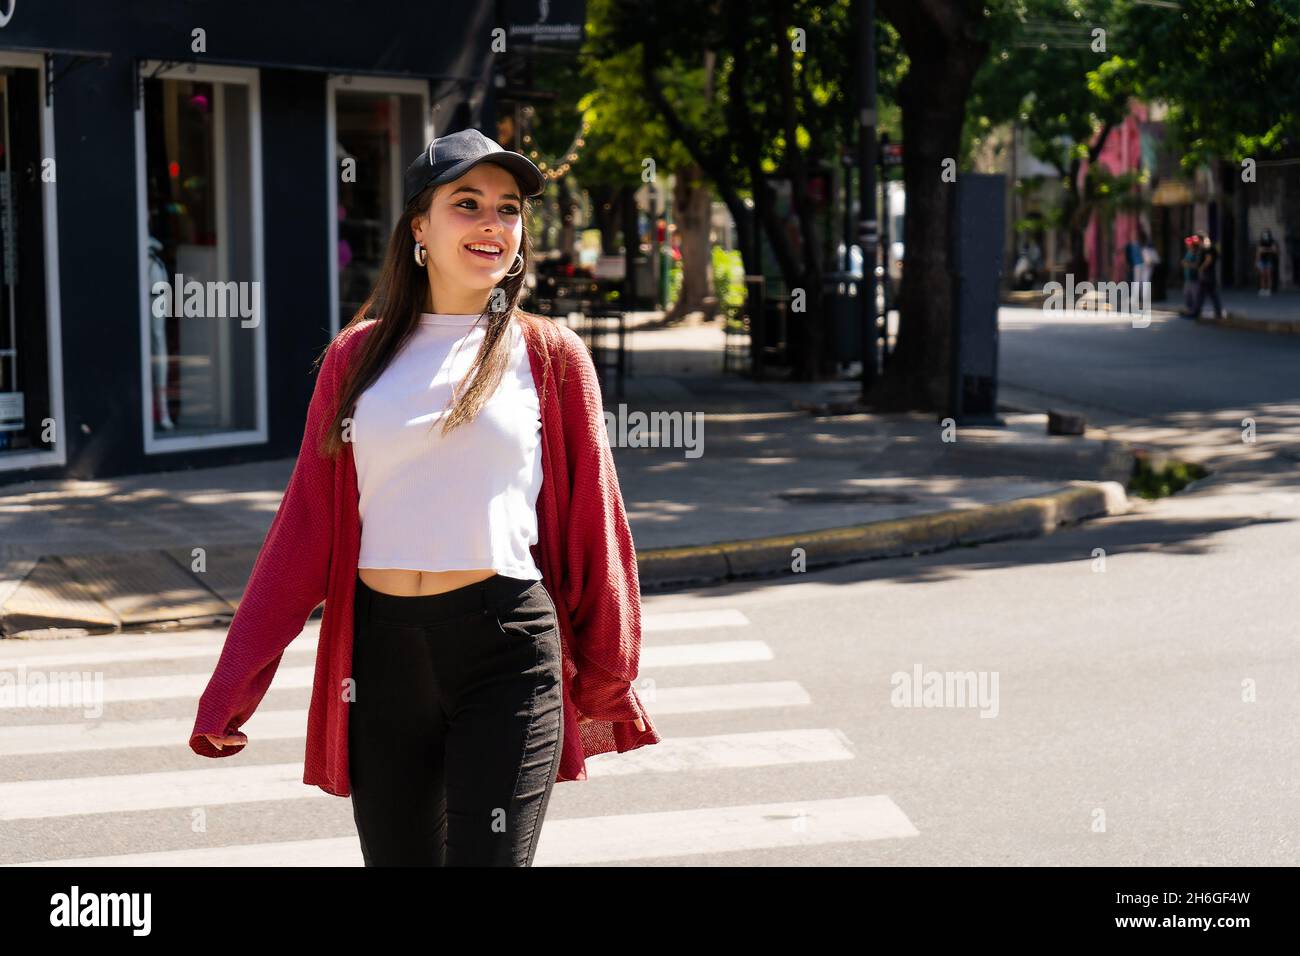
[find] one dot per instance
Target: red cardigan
(310, 554)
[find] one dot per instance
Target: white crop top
(466, 500)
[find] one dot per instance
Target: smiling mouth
(485, 250)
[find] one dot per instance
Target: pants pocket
(528, 617)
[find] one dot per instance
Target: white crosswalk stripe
(80, 685)
(81, 652)
(693, 620)
(77, 690)
(571, 841)
(118, 793)
(605, 839)
(288, 724)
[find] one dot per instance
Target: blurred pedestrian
(1207, 284)
(1147, 258)
(1191, 262)
(1266, 261)
(1133, 258)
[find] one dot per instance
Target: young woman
(455, 505)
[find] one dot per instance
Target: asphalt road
(1173, 367)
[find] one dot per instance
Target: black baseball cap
(452, 156)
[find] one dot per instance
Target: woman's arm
(289, 580)
(603, 592)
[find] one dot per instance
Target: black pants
(455, 732)
(1210, 289)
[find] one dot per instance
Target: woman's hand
(639, 724)
(234, 740)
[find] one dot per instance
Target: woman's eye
(510, 210)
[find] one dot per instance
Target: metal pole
(886, 214)
(867, 224)
(846, 166)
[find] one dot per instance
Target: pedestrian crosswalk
(141, 677)
(609, 839)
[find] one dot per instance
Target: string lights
(571, 155)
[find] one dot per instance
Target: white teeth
(483, 247)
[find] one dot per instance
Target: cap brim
(529, 176)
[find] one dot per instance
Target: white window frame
(58, 455)
(249, 77)
(350, 83)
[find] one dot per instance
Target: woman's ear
(418, 223)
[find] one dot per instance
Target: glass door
(26, 419)
(376, 133)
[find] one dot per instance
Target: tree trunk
(567, 203)
(942, 42)
(1074, 224)
(605, 211)
(809, 359)
(1084, 202)
(692, 208)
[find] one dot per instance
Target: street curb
(1272, 326)
(757, 557)
(69, 606)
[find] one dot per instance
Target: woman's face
(482, 208)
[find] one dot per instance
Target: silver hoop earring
(520, 257)
(421, 256)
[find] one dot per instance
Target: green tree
(1042, 75)
(629, 142)
(779, 105)
(1229, 71)
(945, 42)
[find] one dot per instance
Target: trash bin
(844, 315)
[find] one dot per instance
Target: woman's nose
(493, 221)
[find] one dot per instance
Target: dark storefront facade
(194, 197)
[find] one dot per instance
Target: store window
(28, 419)
(377, 131)
(202, 263)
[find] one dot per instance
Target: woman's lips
(491, 257)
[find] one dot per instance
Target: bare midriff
(404, 583)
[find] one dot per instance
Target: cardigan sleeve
(288, 581)
(602, 589)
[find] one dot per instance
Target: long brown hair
(396, 303)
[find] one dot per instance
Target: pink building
(1122, 153)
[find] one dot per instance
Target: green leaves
(1228, 70)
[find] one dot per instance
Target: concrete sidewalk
(1243, 308)
(1278, 313)
(768, 479)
